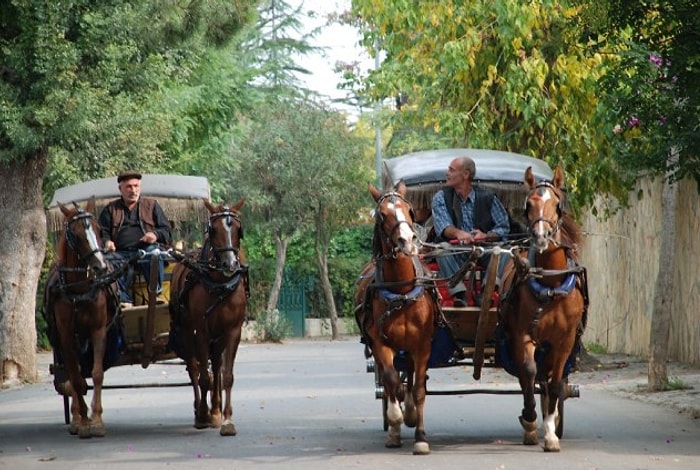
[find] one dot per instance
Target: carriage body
(141, 333)
(462, 336)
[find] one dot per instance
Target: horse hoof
(84, 432)
(393, 443)
(73, 429)
(530, 438)
(410, 418)
(551, 445)
(421, 448)
(227, 429)
(97, 431)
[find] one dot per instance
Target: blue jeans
(126, 280)
(451, 264)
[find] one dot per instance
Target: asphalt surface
(309, 404)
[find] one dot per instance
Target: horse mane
(571, 234)
(376, 241)
(61, 251)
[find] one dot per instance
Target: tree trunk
(281, 244)
(322, 259)
(22, 250)
(661, 315)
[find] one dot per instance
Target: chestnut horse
(80, 305)
(209, 295)
(543, 311)
(396, 312)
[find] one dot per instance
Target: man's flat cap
(128, 175)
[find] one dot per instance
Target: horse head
(81, 236)
(543, 208)
(224, 233)
(394, 220)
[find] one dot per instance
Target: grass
(595, 348)
(675, 383)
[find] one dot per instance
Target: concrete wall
(622, 257)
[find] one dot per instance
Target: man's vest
(145, 206)
(483, 201)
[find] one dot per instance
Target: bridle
(541, 189)
(393, 197)
(72, 239)
(229, 217)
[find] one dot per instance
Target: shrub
(270, 326)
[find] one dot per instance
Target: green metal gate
(293, 305)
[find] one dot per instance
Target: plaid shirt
(442, 218)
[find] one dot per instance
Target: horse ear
(91, 205)
(208, 205)
(374, 192)
(401, 188)
(239, 204)
(66, 211)
(558, 180)
(529, 178)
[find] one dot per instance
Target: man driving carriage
(468, 214)
(133, 223)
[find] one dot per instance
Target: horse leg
(554, 391)
(410, 416)
(528, 371)
(189, 349)
(391, 381)
(227, 427)
(202, 416)
(215, 391)
(76, 386)
(99, 345)
(421, 446)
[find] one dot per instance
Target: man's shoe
(160, 300)
(124, 305)
(460, 299)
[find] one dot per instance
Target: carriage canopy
(424, 172)
(180, 196)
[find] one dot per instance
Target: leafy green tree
(84, 93)
(302, 169)
(510, 75)
(651, 112)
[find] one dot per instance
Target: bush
(271, 326)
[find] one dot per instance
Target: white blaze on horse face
(406, 233)
(229, 261)
(542, 228)
(91, 237)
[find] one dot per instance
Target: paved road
(309, 405)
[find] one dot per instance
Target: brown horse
(209, 294)
(397, 312)
(80, 306)
(543, 311)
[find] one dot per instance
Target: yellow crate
(139, 290)
(134, 321)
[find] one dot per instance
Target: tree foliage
(301, 170)
(87, 89)
(511, 75)
(653, 91)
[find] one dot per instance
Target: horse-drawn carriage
(528, 322)
(204, 280)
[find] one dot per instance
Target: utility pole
(377, 123)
